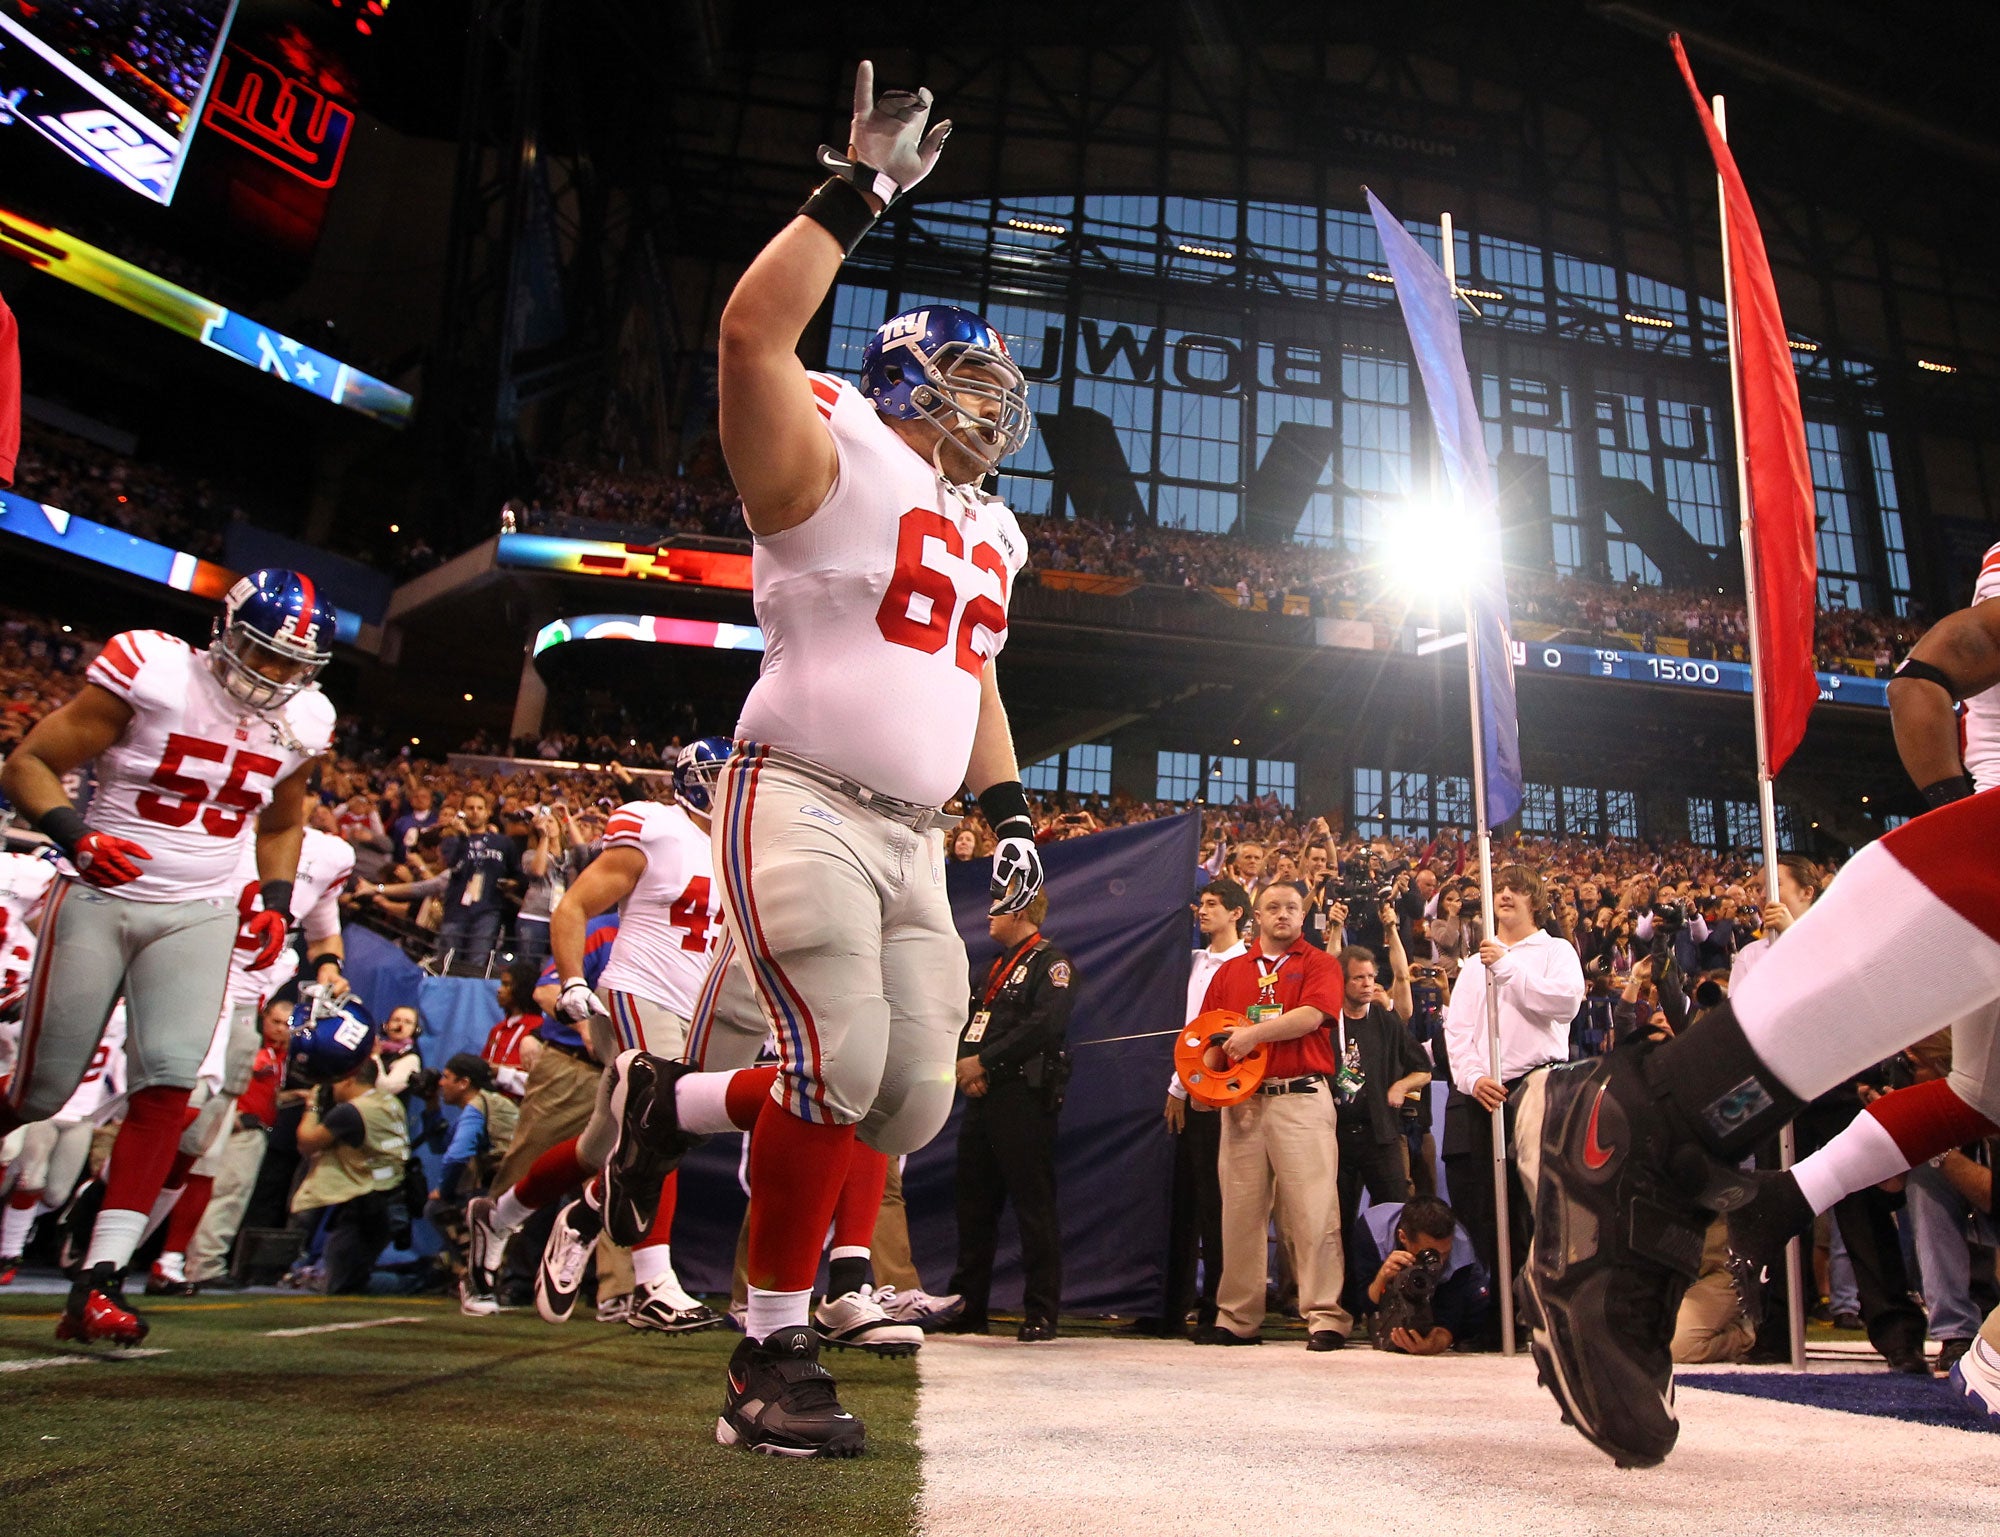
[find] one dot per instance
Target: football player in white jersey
(24, 886)
(325, 863)
(194, 751)
(53, 1152)
(881, 574)
(657, 870)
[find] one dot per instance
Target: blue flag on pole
(1430, 310)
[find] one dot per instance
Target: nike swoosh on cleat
(1595, 1154)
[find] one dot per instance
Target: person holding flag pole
(1531, 985)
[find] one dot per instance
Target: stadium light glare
(1428, 547)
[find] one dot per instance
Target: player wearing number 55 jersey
(882, 573)
(194, 751)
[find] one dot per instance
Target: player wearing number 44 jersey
(881, 574)
(194, 751)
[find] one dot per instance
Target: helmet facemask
(959, 369)
(236, 648)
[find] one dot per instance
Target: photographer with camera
(357, 1139)
(478, 1139)
(1672, 924)
(1539, 982)
(1429, 1289)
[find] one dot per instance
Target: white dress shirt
(1206, 964)
(1541, 988)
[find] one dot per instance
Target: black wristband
(1924, 672)
(64, 827)
(1007, 802)
(839, 208)
(323, 958)
(1945, 791)
(277, 898)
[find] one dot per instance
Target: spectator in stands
(477, 857)
(360, 824)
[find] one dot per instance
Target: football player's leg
(175, 979)
(923, 979)
(79, 971)
(31, 1176)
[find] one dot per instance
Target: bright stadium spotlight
(1428, 547)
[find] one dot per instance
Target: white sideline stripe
(38, 1364)
(366, 1323)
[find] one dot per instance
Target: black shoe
(781, 1401)
(1950, 1353)
(1326, 1339)
(1035, 1330)
(1215, 1334)
(1849, 1321)
(650, 1143)
(964, 1325)
(1775, 1215)
(1629, 1155)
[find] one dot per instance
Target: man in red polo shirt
(1279, 1145)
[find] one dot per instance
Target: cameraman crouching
(1429, 1289)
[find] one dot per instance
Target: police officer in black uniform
(1012, 1068)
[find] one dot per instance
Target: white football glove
(1017, 875)
(577, 1002)
(888, 151)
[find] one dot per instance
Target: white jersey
(325, 863)
(195, 767)
(669, 925)
(104, 1080)
(880, 612)
(1982, 711)
(24, 882)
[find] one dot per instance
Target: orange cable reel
(1205, 1070)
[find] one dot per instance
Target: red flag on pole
(1773, 440)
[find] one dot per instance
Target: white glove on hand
(1017, 875)
(888, 151)
(577, 1002)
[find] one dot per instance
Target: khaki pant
(556, 1105)
(1279, 1151)
(889, 1250)
(1711, 1326)
(241, 1157)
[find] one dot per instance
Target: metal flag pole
(1767, 808)
(1504, 1281)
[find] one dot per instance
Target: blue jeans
(468, 939)
(1939, 1214)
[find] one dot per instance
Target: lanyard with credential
(1003, 968)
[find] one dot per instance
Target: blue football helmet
(923, 364)
(697, 769)
(273, 614)
(331, 1037)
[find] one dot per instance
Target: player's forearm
(278, 852)
(31, 784)
(992, 761)
(567, 926)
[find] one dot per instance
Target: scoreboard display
(1645, 667)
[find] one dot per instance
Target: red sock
(860, 1199)
(662, 1231)
(796, 1170)
(154, 1120)
(748, 1092)
(551, 1176)
(187, 1213)
(1929, 1118)
(21, 1199)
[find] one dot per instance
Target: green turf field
(440, 1426)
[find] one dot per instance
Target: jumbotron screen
(113, 84)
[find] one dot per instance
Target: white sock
(1863, 1155)
(701, 1102)
(510, 1211)
(652, 1263)
(772, 1311)
(1834, 995)
(172, 1266)
(163, 1205)
(117, 1234)
(15, 1225)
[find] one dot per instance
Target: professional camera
(1406, 1300)
(424, 1082)
(1358, 885)
(1670, 916)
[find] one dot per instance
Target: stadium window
(1090, 769)
(1181, 777)
(1044, 777)
(1582, 815)
(1367, 802)
(1278, 778)
(1409, 805)
(1701, 821)
(1316, 523)
(1228, 781)
(1891, 822)
(1839, 558)
(857, 312)
(1451, 800)
(1788, 828)
(1375, 463)
(1746, 827)
(1529, 415)
(1889, 505)
(1621, 814)
(1538, 809)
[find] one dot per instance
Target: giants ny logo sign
(284, 119)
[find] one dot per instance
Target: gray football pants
(169, 960)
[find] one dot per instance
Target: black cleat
(650, 1143)
(782, 1402)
